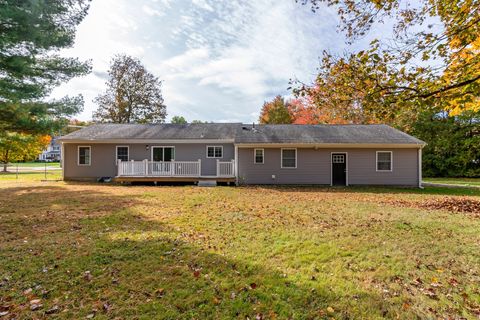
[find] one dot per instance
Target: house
(52, 152)
(244, 154)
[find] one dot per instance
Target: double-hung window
(214, 152)
(259, 155)
(289, 158)
(122, 153)
(84, 156)
(384, 160)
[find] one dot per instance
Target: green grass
(225, 252)
(31, 176)
(35, 164)
(457, 181)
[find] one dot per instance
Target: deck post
(119, 161)
(199, 167)
(145, 162)
(233, 167)
(218, 167)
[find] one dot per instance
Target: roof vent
(245, 128)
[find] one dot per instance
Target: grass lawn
(461, 181)
(76, 250)
(35, 164)
(30, 176)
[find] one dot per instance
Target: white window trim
(391, 161)
(90, 158)
(331, 167)
(281, 158)
(163, 152)
(206, 149)
(116, 152)
(255, 156)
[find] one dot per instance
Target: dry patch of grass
(91, 250)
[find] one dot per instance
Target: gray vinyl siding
(314, 167)
(103, 162)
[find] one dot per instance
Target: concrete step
(207, 183)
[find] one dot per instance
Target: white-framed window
(384, 160)
(84, 155)
(289, 158)
(259, 155)
(122, 153)
(214, 152)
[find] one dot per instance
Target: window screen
(289, 158)
(214, 152)
(122, 153)
(384, 161)
(84, 155)
(258, 156)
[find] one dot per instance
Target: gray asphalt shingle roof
(247, 134)
(165, 131)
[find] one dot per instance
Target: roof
(166, 131)
(325, 134)
(246, 134)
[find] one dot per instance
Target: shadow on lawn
(378, 190)
(100, 254)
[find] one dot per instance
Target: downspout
(420, 167)
(62, 157)
(236, 165)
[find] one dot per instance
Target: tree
(133, 94)
(275, 112)
(447, 76)
(178, 120)
(453, 147)
(30, 34)
(21, 147)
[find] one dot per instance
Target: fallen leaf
(52, 310)
(253, 285)
(160, 292)
(330, 310)
(87, 276)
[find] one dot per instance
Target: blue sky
(219, 60)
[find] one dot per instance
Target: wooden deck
(172, 179)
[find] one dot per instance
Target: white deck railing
(171, 168)
(225, 168)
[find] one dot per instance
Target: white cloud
(203, 5)
(152, 12)
(218, 59)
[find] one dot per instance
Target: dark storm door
(339, 169)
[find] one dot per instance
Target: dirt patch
(459, 205)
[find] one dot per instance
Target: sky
(218, 60)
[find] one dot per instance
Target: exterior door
(339, 169)
(163, 153)
(162, 157)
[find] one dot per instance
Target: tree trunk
(5, 167)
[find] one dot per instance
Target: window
(258, 156)
(289, 158)
(384, 160)
(84, 156)
(338, 158)
(122, 153)
(214, 152)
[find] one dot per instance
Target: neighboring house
(52, 152)
(245, 154)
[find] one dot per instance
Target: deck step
(207, 183)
